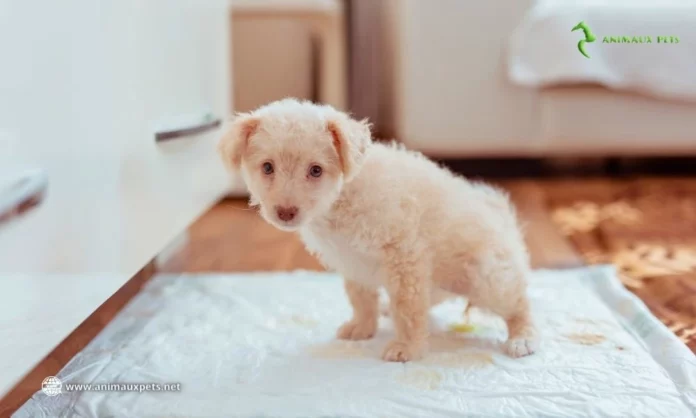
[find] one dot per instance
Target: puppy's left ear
(235, 140)
(351, 139)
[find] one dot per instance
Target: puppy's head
(295, 157)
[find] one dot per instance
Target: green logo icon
(589, 37)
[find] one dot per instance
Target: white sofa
(452, 97)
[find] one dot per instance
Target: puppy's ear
(351, 139)
(235, 140)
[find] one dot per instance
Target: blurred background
(462, 80)
(110, 111)
(598, 150)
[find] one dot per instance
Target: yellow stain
(463, 328)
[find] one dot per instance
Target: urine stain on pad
(586, 339)
(424, 379)
(461, 359)
(462, 328)
(339, 349)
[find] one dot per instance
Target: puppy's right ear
(233, 143)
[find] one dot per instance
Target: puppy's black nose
(286, 213)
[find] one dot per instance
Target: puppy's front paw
(520, 347)
(357, 330)
(403, 352)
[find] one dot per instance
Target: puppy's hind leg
(364, 300)
(522, 334)
(507, 297)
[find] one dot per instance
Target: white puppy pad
(253, 345)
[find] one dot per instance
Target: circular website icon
(51, 386)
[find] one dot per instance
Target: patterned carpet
(648, 230)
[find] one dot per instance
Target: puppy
(383, 216)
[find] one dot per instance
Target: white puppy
(383, 216)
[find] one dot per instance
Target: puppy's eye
(267, 168)
(315, 171)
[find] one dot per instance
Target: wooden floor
(232, 238)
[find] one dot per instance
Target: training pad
(263, 344)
